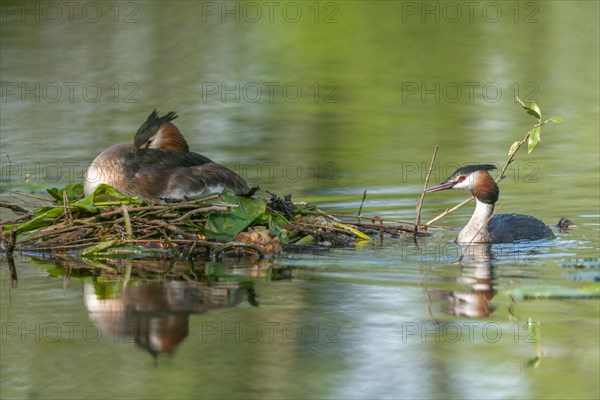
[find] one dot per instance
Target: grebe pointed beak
(449, 184)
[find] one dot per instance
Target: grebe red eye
(462, 178)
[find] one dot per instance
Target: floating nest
(111, 224)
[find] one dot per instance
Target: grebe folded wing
(518, 227)
(202, 179)
(174, 175)
(169, 159)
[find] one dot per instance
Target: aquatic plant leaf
(127, 251)
(93, 250)
(273, 221)
(558, 120)
(580, 263)
(555, 292)
(533, 139)
(306, 240)
(513, 148)
(536, 110)
(74, 190)
(533, 110)
(105, 195)
(45, 218)
(359, 234)
(86, 204)
(224, 225)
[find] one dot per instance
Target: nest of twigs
(211, 226)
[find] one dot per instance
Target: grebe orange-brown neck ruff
(159, 166)
(482, 227)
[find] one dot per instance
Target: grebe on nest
(160, 166)
(501, 228)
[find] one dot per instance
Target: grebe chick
(502, 228)
(160, 166)
(565, 223)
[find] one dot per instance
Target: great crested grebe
(159, 166)
(501, 228)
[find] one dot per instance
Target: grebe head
(160, 133)
(474, 179)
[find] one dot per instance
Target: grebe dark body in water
(501, 228)
(159, 166)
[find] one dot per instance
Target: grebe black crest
(160, 166)
(482, 227)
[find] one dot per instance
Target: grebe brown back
(159, 166)
(501, 228)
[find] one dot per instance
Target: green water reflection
(356, 100)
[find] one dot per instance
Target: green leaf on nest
(273, 220)
(45, 217)
(106, 195)
(74, 190)
(225, 225)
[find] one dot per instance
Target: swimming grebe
(502, 228)
(159, 166)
